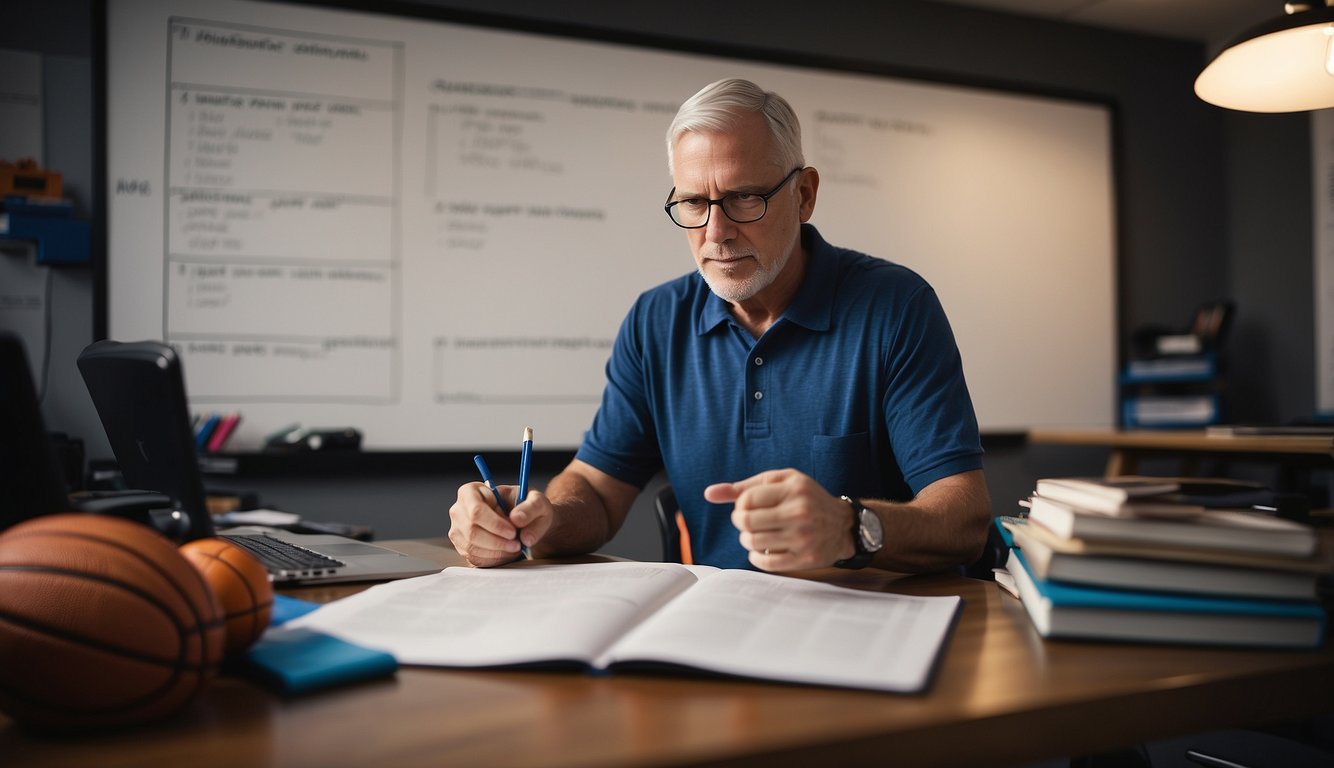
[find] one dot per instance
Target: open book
(617, 615)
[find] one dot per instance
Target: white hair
(717, 105)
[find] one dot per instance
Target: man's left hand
(787, 521)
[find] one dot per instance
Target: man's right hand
(484, 535)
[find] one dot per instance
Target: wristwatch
(868, 535)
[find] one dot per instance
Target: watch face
(871, 531)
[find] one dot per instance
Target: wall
(1211, 204)
(1270, 268)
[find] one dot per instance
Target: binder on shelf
(1195, 368)
(1168, 411)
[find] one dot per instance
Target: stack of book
(1137, 559)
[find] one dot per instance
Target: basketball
(102, 623)
(241, 585)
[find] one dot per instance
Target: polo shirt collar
(813, 305)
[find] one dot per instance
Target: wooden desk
(1001, 696)
(1294, 455)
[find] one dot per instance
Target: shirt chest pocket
(843, 464)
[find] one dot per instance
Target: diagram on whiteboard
(281, 267)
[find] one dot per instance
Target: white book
(1127, 495)
(1228, 529)
(619, 615)
(1153, 410)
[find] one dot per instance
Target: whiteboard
(430, 231)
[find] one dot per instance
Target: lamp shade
(1283, 65)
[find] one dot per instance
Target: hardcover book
(1128, 567)
(1130, 495)
(1076, 612)
(1228, 529)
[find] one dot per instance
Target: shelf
(1170, 369)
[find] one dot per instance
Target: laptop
(32, 482)
(139, 391)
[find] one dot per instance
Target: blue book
(1000, 522)
(296, 661)
(1068, 611)
(286, 608)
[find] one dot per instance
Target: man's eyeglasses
(741, 207)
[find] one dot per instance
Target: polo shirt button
(759, 361)
(759, 395)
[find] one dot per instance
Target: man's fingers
(532, 518)
(722, 493)
(478, 530)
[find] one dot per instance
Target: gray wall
(1212, 204)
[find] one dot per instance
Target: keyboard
(285, 560)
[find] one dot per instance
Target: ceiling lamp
(1282, 65)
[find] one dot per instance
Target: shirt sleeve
(928, 411)
(623, 440)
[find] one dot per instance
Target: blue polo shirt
(859, 384)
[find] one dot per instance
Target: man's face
(739, 261)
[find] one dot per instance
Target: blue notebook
(1065, 594)
(296, 661)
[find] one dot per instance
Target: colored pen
(525, 457)
(218, 440)
(491, 483)
(206, 431)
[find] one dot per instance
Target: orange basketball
(241, 584)
(102, 623)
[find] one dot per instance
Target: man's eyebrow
(744, 189)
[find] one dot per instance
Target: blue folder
(296, 660)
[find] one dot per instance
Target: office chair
(672, 527)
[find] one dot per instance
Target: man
(807, 402)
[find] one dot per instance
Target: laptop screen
(139, 391)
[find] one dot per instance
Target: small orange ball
(241, 585)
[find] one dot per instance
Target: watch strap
(861, 558)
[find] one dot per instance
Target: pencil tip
(527, 433)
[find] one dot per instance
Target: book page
(492, 617)
(781, 628)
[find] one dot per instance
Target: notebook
(139, 392)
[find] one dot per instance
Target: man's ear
(807, 185)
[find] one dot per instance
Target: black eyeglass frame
(668, 206)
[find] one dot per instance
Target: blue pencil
(490, 483)
(206, 431)
(525, 457)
